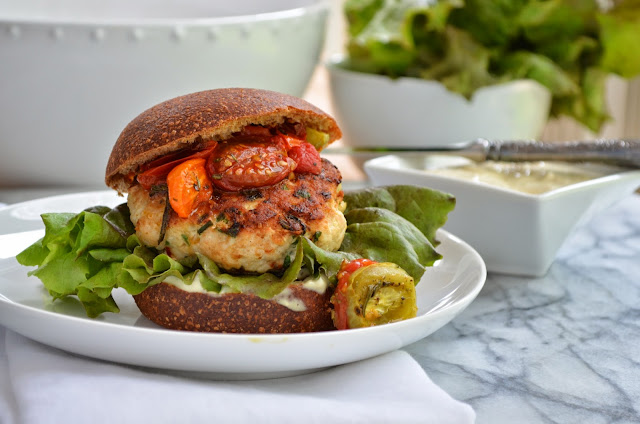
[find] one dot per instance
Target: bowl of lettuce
(440, 58)
(377, 112)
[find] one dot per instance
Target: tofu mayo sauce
(526, 177)
(284, 298)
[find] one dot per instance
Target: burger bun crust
(192, 119)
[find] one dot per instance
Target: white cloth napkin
(40, 384)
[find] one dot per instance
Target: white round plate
(129, 338)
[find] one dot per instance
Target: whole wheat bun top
(207, 115)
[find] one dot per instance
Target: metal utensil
(625, 153)
(614, 152)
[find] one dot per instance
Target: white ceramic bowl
(375, 111)
(75, 72)
(514, 232)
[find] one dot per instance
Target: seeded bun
(199, 117)
(174, 308)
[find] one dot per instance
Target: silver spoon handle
(614, 152)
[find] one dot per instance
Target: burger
(235, 223)
(233, 175)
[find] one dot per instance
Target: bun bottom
(174, 308)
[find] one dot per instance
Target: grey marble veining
(564, 348)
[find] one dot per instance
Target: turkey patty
(250, 230)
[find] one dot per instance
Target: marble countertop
(559, 349)
(563, 348)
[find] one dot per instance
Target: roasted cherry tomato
(307, 158)
(255, 131)
(249, 162)
(188, 185)
(157, 175)
(289, 141)
(339, 299)
(340, 304)
(156, 171)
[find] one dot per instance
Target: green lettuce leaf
(425, 208)
(383, 236)
(264, 285)
(317, 259)
(619, 34)
(145, 267)
(529, 65)
(489, 22)
(395, 224)
(464, 65)
(79, 256)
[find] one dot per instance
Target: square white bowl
(514, 232)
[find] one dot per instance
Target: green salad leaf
(568, 46)
(80, 255)
(91, 253)
(425, 208)
(146, 267)
(396, 224)
(619, 35)
(264, 285)
(317, 259)
(382, 236)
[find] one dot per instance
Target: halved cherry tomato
(307, 158)
(255, 131)
(188, 185)
(249, 162)
(157, 175)
(339, 298)
(340, 304)
(289, 141)
(156, 171)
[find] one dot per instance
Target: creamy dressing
(194, 287)
(527, 177)
(284, 298)
(318, 285)
(288, 300)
